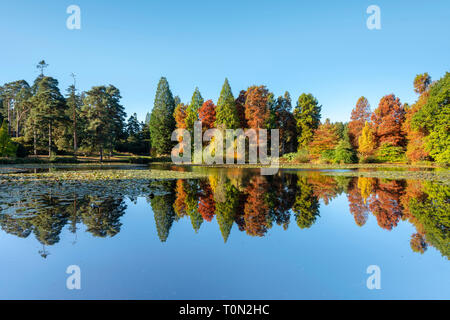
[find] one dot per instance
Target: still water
(233, 235)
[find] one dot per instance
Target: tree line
(42, 120)
(393, 132)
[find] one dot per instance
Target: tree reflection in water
(253, 202)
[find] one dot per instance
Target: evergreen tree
(162, 122)
(49, 108)
(133, 126)
(192, 109)
(105, 117)
(307, 117)
(226, 113)
(74, 104)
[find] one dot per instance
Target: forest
(39, 120)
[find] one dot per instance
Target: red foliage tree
(256, 110)
(360, 114)
(207, 114)
(387, 121)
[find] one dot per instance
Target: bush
(344, 153)
(390, 153)
(327, 156)
(23, 149)
(301, 156)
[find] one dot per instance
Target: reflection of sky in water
(327, 260)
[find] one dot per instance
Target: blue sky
(321, 47)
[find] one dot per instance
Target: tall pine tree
(226, 114)
(307, 117)
(162, 122)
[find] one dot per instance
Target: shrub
(301, 156)
(23, 149)
(327, 156)
(344, 153)
(389, 153)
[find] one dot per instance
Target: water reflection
(250, 202)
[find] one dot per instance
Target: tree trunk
(49, 139)
(9, 117)
(75, 147)
(101, 153)
(34, 141)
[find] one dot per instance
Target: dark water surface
(234, 235)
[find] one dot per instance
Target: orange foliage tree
(325, 138)
(256, 110)
(207, 114)
(387, 121)
(415, 150)
(360, 115)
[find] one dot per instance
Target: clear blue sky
(322, 47)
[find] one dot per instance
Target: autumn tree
(387, 122)
(421, 83)
(416, 150)
(307, 116)
(366, 141)
(360, 115)
(207, 114)
(180, 116)
(325, 138)
(162, 122)
(256, 110)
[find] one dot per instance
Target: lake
(232, 234)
